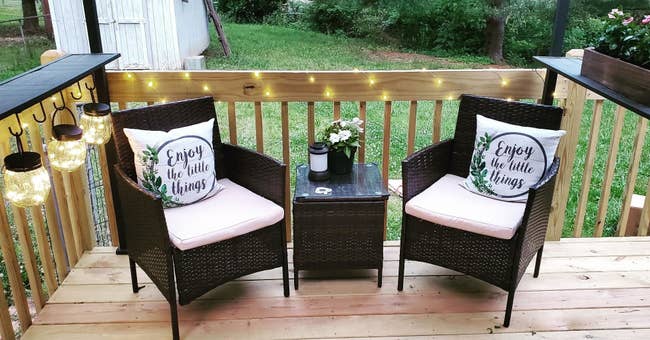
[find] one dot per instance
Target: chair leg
(538, 261)
(285, 261)
(295, 278)
(174, 311)
(285, 277)
(511, 298)
(380, 271)
(400, 276)
(134, 277)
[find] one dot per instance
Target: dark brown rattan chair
(201, 269)
(493, 260)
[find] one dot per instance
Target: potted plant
(620, 59)
(342, 138)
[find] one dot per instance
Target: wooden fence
(63, 227)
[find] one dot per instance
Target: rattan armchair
(198, 270)
(501, 262)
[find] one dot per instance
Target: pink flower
(628, 21)
(646, 20)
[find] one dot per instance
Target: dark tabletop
(364, 183)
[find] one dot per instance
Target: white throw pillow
(509, 159)
(177, 165)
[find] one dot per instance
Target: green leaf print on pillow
(150, 178)
(477, 169)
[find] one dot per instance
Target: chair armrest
(423, 168)
(258, 173)
(146, 233)
(535, 221)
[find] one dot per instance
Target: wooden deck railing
(63, 227)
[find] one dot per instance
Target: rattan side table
(341, 228)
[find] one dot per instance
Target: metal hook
(20, 125)
(62, 108)
(79, 94)
(91, 89)
(41, 120)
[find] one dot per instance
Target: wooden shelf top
(570, 68)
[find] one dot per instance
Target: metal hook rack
(79, 95)
(20, 132)
(40, 120)
(91, 89)
(62, 108)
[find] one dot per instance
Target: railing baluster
(50, 209)
(310, 123)
(286, 157)
(232, 123)
(589, 167)
(77, 238)
(66, 225)
(609, 171)
(259, 128)
(337, 110)
(362, 135)
(413, 110)
(385, 163)
(6, 327)
(637, 150)
(44, 249)
(645, 214)
(11, 261)
(29, 258)
(566, 151)
(437, 121)
(121, 105)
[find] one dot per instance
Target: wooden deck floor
(589, 288)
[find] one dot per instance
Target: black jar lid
(23, 161)
(96, 109)
(318, 148)
(67, 132)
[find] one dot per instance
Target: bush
(249, 11)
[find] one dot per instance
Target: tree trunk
(494, 31)
(47, 18)
(29, 10)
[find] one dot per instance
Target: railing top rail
(309, 86)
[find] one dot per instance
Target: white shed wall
(145, 32)
(192, 27)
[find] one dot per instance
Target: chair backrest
(512, 112)
(164, 117)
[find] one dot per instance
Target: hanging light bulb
(26, 181)
(96, 123)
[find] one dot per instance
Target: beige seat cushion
(447, 203)
(232, 212)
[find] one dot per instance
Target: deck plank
(418, 324)
(596, 290)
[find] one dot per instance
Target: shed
(157, 34)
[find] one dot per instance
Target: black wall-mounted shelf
(570, 69)
(26, 89)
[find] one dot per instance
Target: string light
(186, 75)
(150, 83)
(164, 100)
(328, 93)
(504, 82)
(372, 81)
(53, 98)
(356, 70)
(384, 97)
(438, 81)
(257, 75)
(312, 79)
(450, 97)
(509, 99)
(206, 88)
(129, 75)
(267, 93)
